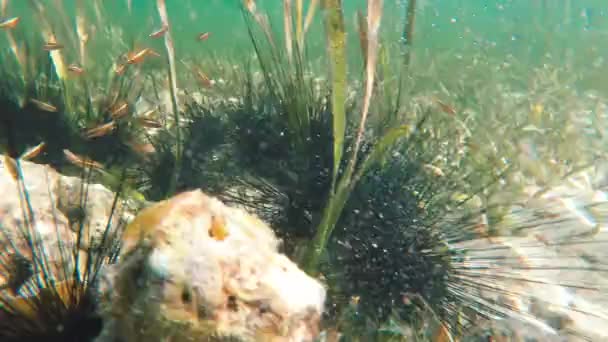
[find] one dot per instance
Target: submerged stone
(194, 269)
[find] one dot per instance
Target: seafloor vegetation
(373, 169)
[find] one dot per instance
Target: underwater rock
(194, 269)
(56, 213)
(99, 203)
(50, 227)
(55, 197)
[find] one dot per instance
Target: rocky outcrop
(191, 268)
(194, 269)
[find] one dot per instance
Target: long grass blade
(81, 32)
(374, 15)
(287, 26)
(408, 33)
(261, 20)
(310, 13)
(19, 56)
(336, 38)
(338, 200)
(299, 18)
(340, 193)
(49, 36)
(162, 12)
(362, 27)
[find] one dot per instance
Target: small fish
(153, 53)
(33, 152)
(149, 123)
(119, 110)
(10, 23)
(218, 230)
(52, 46)
(145, 120)
(160, 32)
(11, 167)
(354, 300)
(47, 107)
(80, 161)
(139, 56)
(76, 69)
(446, 108)
(204, 79)
(204, 36)
(101, 130)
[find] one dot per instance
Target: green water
(568, 33)
(565, 33)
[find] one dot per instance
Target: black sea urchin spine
(51, 294)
